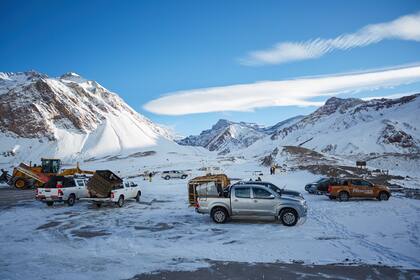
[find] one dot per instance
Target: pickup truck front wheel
(288, 217)
(219, 215)
(383, 196)
(120, 201)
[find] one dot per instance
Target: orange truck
(357, 188)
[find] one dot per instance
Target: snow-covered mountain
(353, 127)
(227, 136)
(69, 117)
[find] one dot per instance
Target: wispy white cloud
(403, 28)
(297, 92)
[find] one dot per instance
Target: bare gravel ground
(11, 196)
(267, 271)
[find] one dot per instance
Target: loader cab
(50, 165)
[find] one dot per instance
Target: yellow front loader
(28, 176)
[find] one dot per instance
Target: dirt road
(246, 271)
(12, 196)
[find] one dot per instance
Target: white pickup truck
(118, 195)
(63, 189)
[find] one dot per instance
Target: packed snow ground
(161, 232)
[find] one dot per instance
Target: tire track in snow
(340, 230)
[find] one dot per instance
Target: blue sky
(145, 49)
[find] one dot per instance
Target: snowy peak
(354, 126)
(226, 136)
(35, 106)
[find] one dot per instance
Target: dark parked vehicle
(321, 186)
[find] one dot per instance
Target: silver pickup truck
(255, 200)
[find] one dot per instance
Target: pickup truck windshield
(275, 189)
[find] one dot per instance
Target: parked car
(320, 186)
(359, 188)
(172, 174)
(254, 200)
(118, 195)
(63, 189)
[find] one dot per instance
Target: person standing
(150, 176)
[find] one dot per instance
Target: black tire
(343, 196)
(383, 196)
(167, 177)
(289, 217)
(71, 200)
(50, 203)
(138, 196)
(20, 183)
(120, 201)
(184, 176)
(332, 197)
(98, 205)
(219, 215)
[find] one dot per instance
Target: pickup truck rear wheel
(383, 196)
(138, 196)
(343, 196)
(120, 202)
(167, 177)
(71, 200)
(219, 215)
(184, 176)
(289, 217)
(50, 203)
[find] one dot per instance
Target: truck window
(80, 183)
(69, 183)
(356, 182)
(243, 192)
(366, 184)
(261, 193)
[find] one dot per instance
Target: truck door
(241, 201)
(81, 188)
(367, 188)
(358, 188)
(264, 202)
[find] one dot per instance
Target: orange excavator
(28, 176)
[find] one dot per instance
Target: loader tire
(20, 183)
